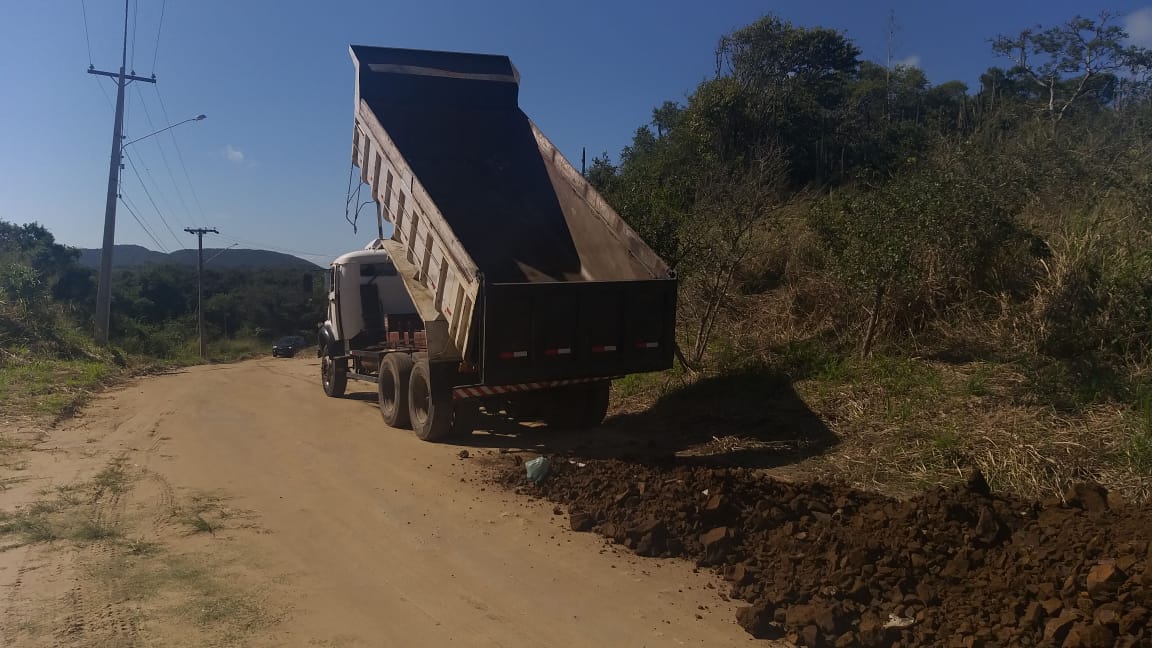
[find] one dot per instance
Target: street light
(190, 119)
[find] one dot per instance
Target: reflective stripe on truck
(479, 391)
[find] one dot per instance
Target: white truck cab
(365, 288)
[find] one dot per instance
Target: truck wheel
(429, 405)
(596, 405)
(334, 375)
(577, 406)
(392, 385)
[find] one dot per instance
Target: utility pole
(200, 232)
(104, 288)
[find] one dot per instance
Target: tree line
(871, 207)
(45, 295)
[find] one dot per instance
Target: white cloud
(912, 61)
(233, 154)
(1138, 24)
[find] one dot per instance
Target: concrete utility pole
(104, 287)
(200, 232)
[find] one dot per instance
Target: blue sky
(269, 166)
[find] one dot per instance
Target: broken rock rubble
(824, 565)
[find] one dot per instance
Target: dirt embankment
(829, 566)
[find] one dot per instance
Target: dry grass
(1032, 426)
(138, 583)
(53, 389)
(968, 387)
(203, 512)
(909, 424)
(196, 593)
(75, 512)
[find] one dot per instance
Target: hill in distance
(124, 256)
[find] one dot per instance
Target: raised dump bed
(532, 291)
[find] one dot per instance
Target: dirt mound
(831, 566)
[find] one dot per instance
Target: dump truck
(507, 285)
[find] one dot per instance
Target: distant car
(288, 345)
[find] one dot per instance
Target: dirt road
(237, 505)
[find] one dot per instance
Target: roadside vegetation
(48, 364)
(951, 277)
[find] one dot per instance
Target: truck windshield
(378, 270)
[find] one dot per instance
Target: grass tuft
(70, 512)
(199, 524)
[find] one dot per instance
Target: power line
(156, 50)
(180, 156)
(140, 222)
(105, 93)
(159, 192)
(131, 206)
(147, 170)
(135, 17)
(156, 186)
(164, 158)
(87, 40)
(265, 246)
(132, 165)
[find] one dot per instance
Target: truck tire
(429, 405)
(596, 405)
(577, 407)
(392, 386)
(334, 375)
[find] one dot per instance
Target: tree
(733, 204)
(665, 117)
(794, 80)
(883, 119)
(35, 246)
(601, 174)
(652, 192)
(946, 107)
(1066, 63)
(779, 59)
(940, 227)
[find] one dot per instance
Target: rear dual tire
(429, 405)
(392, 388)
(409, 397)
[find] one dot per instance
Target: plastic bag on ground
(537, 469)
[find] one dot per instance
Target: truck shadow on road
(753, 419)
